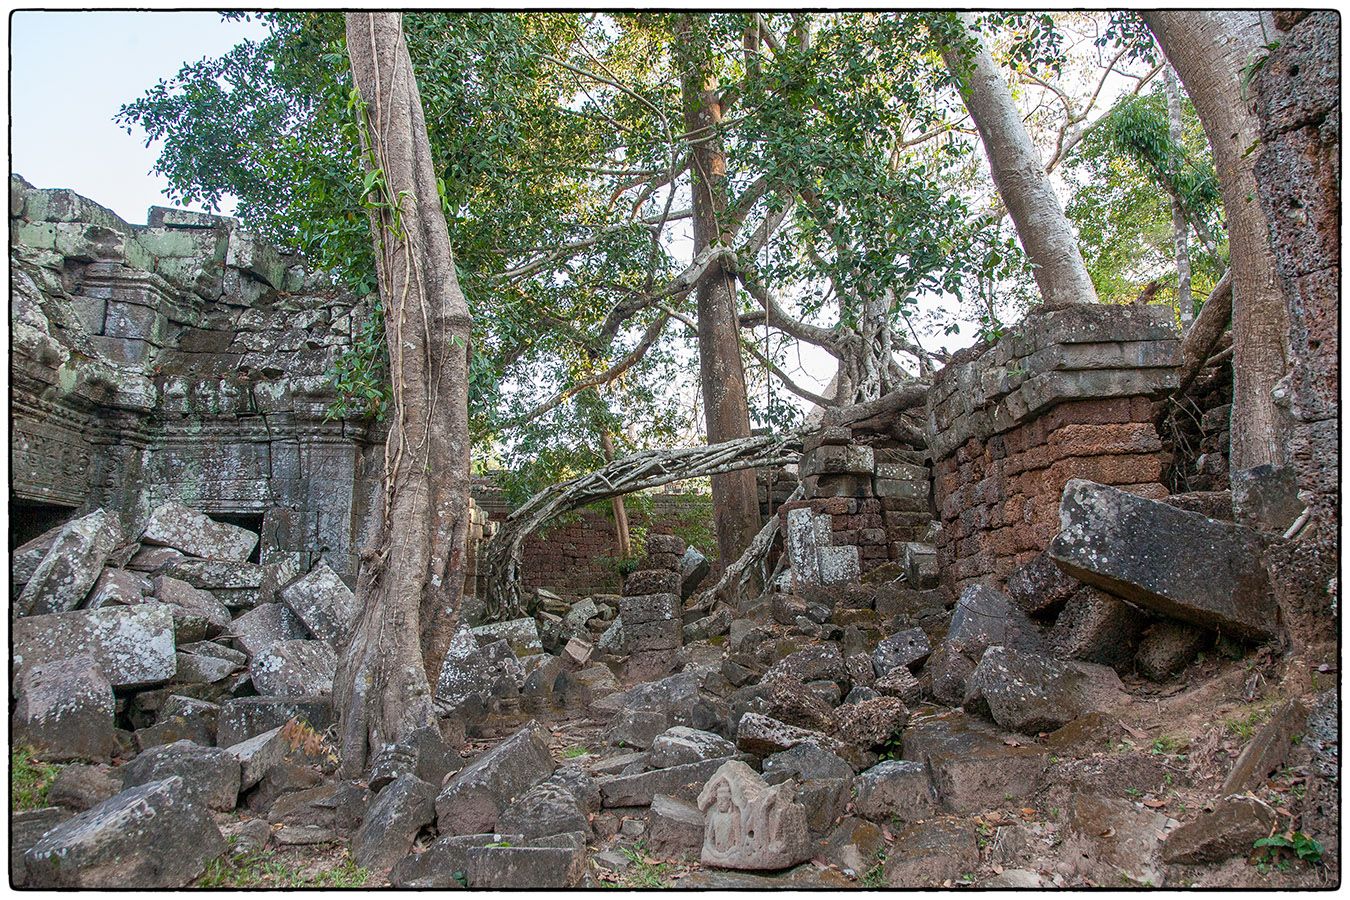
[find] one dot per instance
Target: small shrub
(29, 779)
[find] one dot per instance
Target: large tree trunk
(1185, 305)
(1042, 228)
(1210, 51)
(735, 506)
(412, 577)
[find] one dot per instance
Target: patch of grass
(263, 869)
(29, 779)
(645, 872)
(875, 877)
(574, 751)
(1167, 746)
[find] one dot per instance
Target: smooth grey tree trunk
(1042, 228)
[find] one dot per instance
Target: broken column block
(175, 525)
(132, 645)
(72, 565)
(1030, 693)
(65, 711)
(1178, 563)
(324, 603)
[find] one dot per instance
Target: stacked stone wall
(1066, 394)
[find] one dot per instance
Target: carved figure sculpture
(748, 824)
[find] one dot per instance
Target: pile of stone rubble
(866, 725)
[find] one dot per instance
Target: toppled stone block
(265, 625)
(474, 798)
(897, 789)
(538, 867)
(209, 775)
(245, 717)
(27, 826)
(870, 723)
(324, 603)
(521, 634)
(1178, 563)
(680, 745)
(921, 568)
(907, 649)
(1096, 627)
(970, 763)
(1167, 647)
(665, 544)
(131, 645)
(674, 828)
(1228, 830)
(546, 809)
(181, 718)
(823, 662)
(1112, 840)
(749, 824)
(838, 459)
(70, 567)
(930, 853)
(80, 787)
(446, 858)
(900, 683)
(983, 618)
(65, 711)
(761, 735)
(839, 565)
(1041, 587)
(638, 789)
(577, 653)
(1030, 693)
(117, 587)
(651, 581)
(714, 624)
(24, 559)
(289, 668)
(463, 681)
(694, 567)
(193, 601)
(155, 835)
(175, 525)
(392, 823)
(805, 762)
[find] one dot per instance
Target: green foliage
(575, 751)
(645, 873)
(267, 869)
(1296, 842)
(29, 779)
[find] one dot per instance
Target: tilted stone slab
(265, 625)
(72, 565)
(475, 797)
(521, 634)
(65, 711)
(209, 774)
(132, 645)
(324, 603)
(175, 525)
(1031, 693)
(294, 667)
(156, 835)
(245, 717)
(1178, 563)
(463, 673)
(682, 782)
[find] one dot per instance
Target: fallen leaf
(1154, 803)
(1028, 812)
(1110, 832)
(1133, 732)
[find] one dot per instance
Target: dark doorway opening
(252, 521)
(30, 518)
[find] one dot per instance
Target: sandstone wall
(1065, 394)
(186, 360)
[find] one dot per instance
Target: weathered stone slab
(132, 645)
(324, 603)
(1227, 830)
(680, 745)
(194, 601)
(537, 867)
(265, 625)
(1113, 841)
(210, 775)
(27, 826)
(1178, 563)
(762, 735)
(546, 809)
(638, 789)
(983, 618)
(448, 856)
(72, 565)
(970, 762)
(907, 649)
(156, 835)
(290, 668)
(463, 678)
(1031, 693)
(931, 853)
(117, 587)
(65, 711)
(392, 822)
(694, 567)
(521, 634)
(472, 801)
(245, 717)
(175, 525)
(897, 789)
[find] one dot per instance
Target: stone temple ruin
(1002, 655)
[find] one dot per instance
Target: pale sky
(71, 71)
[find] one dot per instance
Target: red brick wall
(998, 498)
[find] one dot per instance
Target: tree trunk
(623, 540)
(1185, 305)
(1210, 51)
(1042, 228)
(412, 577)
(735, 505)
